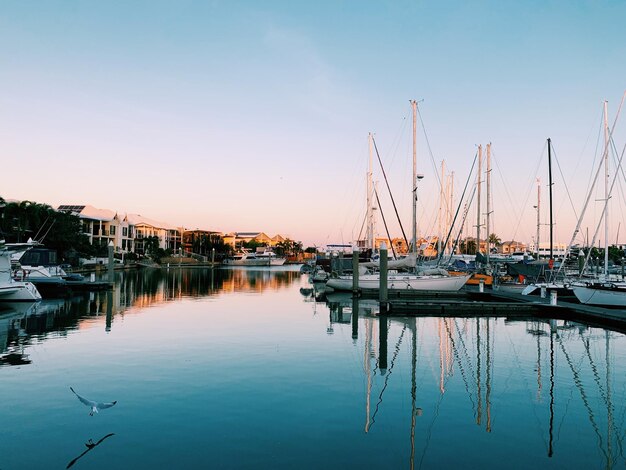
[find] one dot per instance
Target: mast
(550, 187)
(414, 180)
(370, 190)
(606, 191)
(538, 213)
(442, 199)
(450, 203)
(480, 169)
(488, 197)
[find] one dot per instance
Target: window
(125, 231)
(112, 230)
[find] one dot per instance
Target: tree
(468, 246)
(59, 231)
(494, 240)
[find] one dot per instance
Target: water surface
(242, 368)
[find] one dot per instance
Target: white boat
(601, 293)
(245, 258)
(271, 258)
(431, 280)
(319, 275)
(10, 289)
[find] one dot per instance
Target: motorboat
(12, 290)
(246, 258)
(271, 258)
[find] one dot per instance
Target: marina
(205, 363)
(313, 235)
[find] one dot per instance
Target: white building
(127, 232)
(558, 249)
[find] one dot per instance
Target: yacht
(245, 258)
(12, 290)
(271, 258)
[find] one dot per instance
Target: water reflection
(22, 324)
(484, 358)
(90, 446)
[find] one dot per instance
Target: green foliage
(204, 244)
(468, 246)
(59, 231)
(494, 240)
(616, 254)
(253, 244)
(288, 247)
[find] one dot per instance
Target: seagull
(94, 405)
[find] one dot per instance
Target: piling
(581, 262)
(355, 271)
(553, 297)
(383, 296)
(212, 256)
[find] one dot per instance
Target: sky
(254, 116)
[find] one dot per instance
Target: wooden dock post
(355, 271)
(111, 275)
(383, 296)
(212, 257)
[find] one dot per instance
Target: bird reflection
(90, 445)
(94, 405)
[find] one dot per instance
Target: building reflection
(22, 324)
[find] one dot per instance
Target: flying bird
(94, 405)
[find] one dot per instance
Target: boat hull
(246, 262)
(601, 295)
(19, 292)
(399, 282)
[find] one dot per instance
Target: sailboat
(604, 292)
(436, 279)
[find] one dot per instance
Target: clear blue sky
(244, 116)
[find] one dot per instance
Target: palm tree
(494, 240)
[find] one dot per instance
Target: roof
(88, 212)
(137, 219)
(106, 215)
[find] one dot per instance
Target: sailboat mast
(538, 214)
(442, 197)
(370, 190)
(550, 187)
(606, 190)
(480, 169)
(414, 181)
(488, 196)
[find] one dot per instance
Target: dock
(491, 303)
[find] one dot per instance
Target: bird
(94, 405)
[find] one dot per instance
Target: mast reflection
(578, 355)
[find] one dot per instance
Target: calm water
(245, 369)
